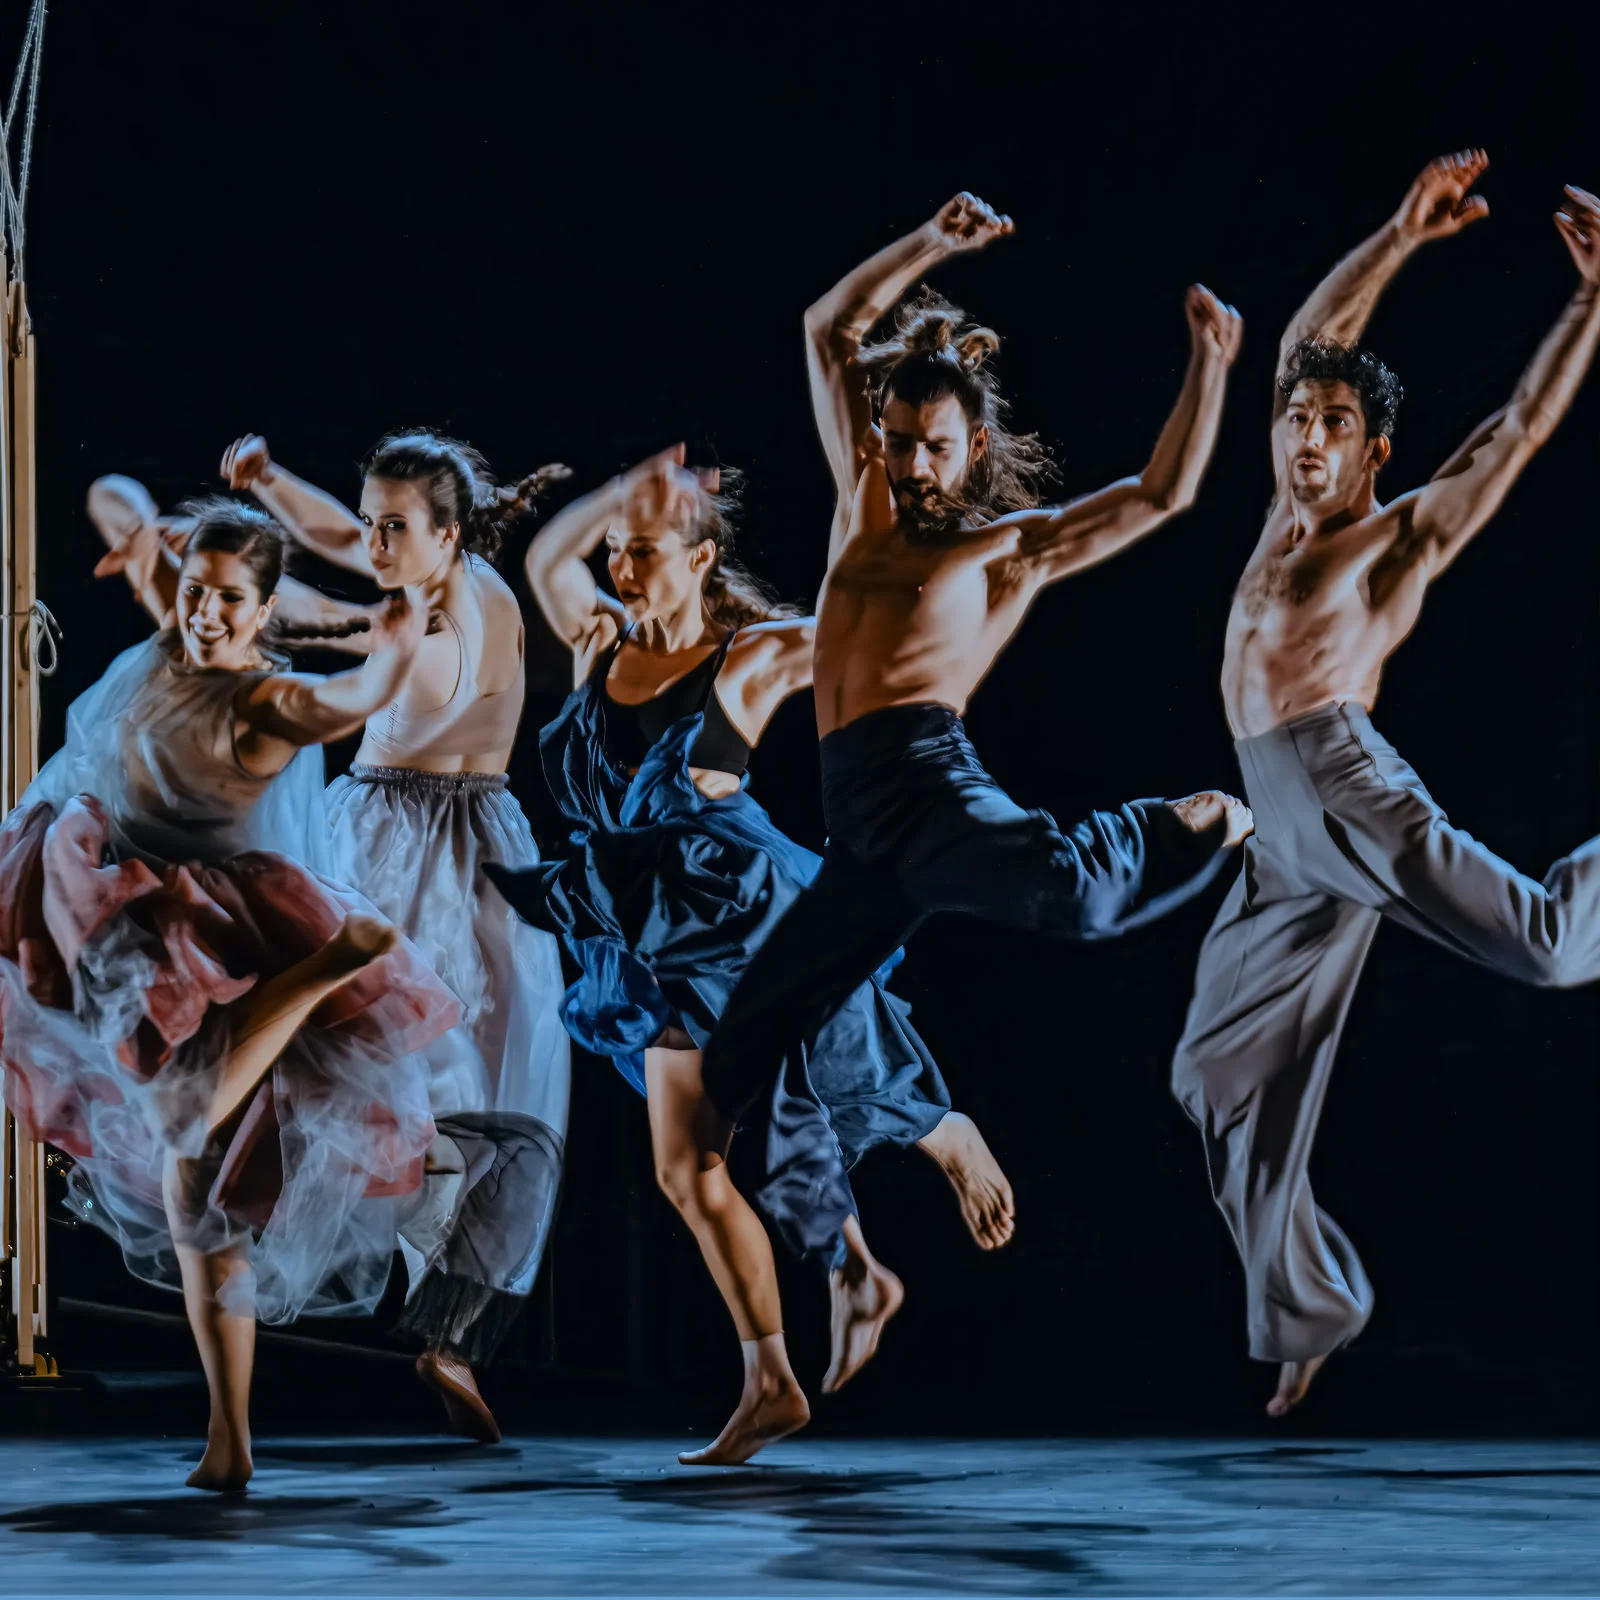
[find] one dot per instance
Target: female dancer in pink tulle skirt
(225, 1041)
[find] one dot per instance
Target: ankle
(766, 1365)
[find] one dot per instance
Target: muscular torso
(903, 624)
(1316, 616)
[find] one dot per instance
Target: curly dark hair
(1328, 361)
(935, 351)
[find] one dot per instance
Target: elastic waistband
(881, 732)
(434, 782)
(1338, 717)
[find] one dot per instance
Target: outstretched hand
(967, 223)
(1578, 221)
(138, 550)
(1201, 812)
(1215, 328)
(1440, 202)
(246, 461)
(661, 495)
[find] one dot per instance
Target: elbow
(1529, 426)
(1168, 498)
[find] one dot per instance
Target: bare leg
(981, 1187)
(690, 1139)
(263, 1022)
(227, 1346)
(1294, 1379)
(865, 1295)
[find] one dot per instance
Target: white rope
(14, 195)
(43, 638)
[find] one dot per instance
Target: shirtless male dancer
(939, 548)
(1345, 832)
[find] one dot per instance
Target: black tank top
(632, 730)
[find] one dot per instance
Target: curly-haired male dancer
(940, 547)
(1345, 832)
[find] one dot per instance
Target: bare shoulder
(771, 640)
(491, 591)
(769, 659)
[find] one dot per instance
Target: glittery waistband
(437, 782)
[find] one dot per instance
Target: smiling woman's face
(220, 610)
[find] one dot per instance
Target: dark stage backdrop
(568, 234)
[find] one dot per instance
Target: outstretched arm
(656, 495)
(1058, 543)
(314, 517)
(289, 710)
(142, 545)
(1436, 206)
(309, 618)
(842, 318)
(1438, 520)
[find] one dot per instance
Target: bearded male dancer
(1345, 832)
(939, 548)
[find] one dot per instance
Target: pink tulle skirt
(115, 983)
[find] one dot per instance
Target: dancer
(225, 1042)
(424, 805)
(674, 877)
(926, 583)
(1346, 833)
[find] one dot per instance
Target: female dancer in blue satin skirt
(672, 876)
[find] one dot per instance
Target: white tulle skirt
(499, 1082)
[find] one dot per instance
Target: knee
(679, 1178)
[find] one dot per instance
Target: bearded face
(929, 452)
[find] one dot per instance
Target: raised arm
(289, 710)
(838, 323)
(1438, 205)
(312, 516)
(1437, 521)
(1059, 542)
(656, 494)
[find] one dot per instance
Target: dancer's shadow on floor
(864, 1529)
(144, 1531)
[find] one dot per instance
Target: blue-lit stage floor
(558, 1516)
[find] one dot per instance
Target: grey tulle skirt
(499, 1083)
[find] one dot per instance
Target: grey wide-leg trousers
(1345, 834)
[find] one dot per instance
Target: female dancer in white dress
(425, 803)
(225, 1041)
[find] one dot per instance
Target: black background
(570, 234)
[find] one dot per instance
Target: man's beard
(925, 513)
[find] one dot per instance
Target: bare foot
(981, 1187)
(226, 1466)
(1294, 1378)
(766, 1413)
(451, 1379)
(864, 1298)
